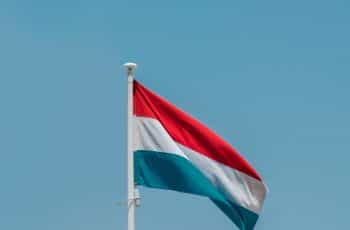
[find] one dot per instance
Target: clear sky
(271, 77)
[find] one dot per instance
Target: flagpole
(130, 68)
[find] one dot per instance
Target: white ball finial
(130, 67)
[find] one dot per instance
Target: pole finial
(130, 67)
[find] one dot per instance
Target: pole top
(130, 67)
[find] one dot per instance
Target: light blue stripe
(172, 172)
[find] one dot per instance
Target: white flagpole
(130, 68)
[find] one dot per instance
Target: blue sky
(271, 77)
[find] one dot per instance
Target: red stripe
(188, 131)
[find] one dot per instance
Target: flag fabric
(174, 151)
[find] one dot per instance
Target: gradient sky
(271, 77)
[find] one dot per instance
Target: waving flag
(174, 151)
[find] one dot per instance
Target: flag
(174, 151)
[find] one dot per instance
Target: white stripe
(150, 135)
(243, 189)
(238, 187)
